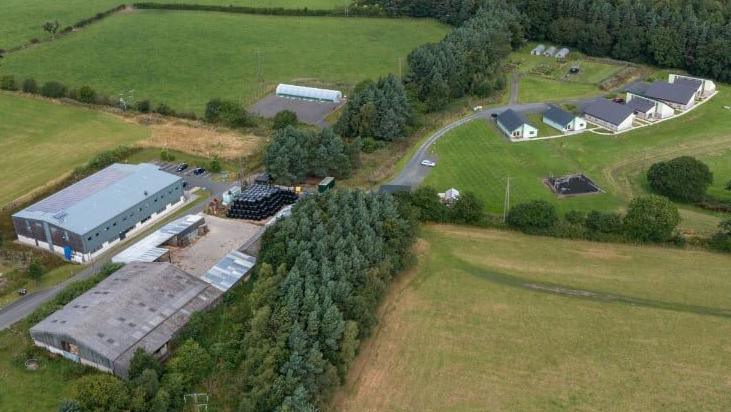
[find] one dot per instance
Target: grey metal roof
(671, 92)
(88, 203)
(559, 116)
(148, 249)
(608, 111)
(511, 120)
(641, 104)
(133, 305)
(229, 270)
(690, 82)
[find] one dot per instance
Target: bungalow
(704, 88)
(610, 115)
(563, 120)
(676, 95)
(648, 109)
(515, 125)
(550, 52)
(538, 50)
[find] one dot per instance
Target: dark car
(199, 171)
(493, 115)
(182, 167)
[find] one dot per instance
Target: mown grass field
(538, 89)
(499, 321)
(478, 158)
(41, 141)
(186, 58)
(22, 20)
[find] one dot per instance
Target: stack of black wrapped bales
(259, 202)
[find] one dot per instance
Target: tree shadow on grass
(593, 295)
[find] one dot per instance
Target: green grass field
(499, 321)
(538, 89)
(186, 58)
(45, 140)
(478, 158)
(21, 20)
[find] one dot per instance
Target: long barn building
(84, 219)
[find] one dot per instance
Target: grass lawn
(476, 157)
(186, 58)
(494, 320)
(539, 89)
(44, 140)
(544, 130)
(21, 20)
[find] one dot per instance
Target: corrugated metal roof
(511, 120)
(229, 270)
(147, 249)
(608, 111)
(559, 116)
(126, 308)
(90, 202)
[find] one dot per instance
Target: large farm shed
(91, 215)
(309, 93)
(610, 115)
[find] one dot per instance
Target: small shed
(562, 53)
(450, 196)
(538, 50)
(550, 52)
(326, 184)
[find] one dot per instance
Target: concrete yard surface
(309, 112)
(224, 235)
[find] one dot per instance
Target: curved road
(414, 173)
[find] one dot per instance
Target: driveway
(414, 173)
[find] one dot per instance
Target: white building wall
(554, 124)
(579, 123)
(626, 124)
(663, 111)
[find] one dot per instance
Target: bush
(166, 156)
(86, 95)
(575, 217)
(532, 217)
(604, 222)
(36, 270)
(283, 119)
(426, 201)
(164, 110)
(53, 89)
(101, 392)
(728, 185)
(721, 241)
(370, 145)
(142, 361)
(215, 165)
(683, 178)
(467, 209)
(228, 113)
(30, 86)
(7, 82)
(143, 106)
(69, 405)
(651, 219)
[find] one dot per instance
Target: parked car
(493, 115)
(181, 167)
(198, 171)
(428, 163)
(477, 108)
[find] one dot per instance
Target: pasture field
(539, 89)
(21, 20)
(495, 320)
(41, 141)
(478, 158)
(234, 56)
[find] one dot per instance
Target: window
(114, 224)
(96, 235)
(89, 238)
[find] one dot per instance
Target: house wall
(663, 111)
(554, 124)
(579, 123)
(54, 344)
(616, 128)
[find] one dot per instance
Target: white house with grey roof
(677, 95)
(704, 87)
(515, 125)
(648, 109)
(609, 115)
(86, 218)
(563, 121)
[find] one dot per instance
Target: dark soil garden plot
(572, 185)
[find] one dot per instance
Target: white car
(428, 163)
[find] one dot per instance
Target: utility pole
(506, 204)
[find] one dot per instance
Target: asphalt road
(414, 173)
(24, 306)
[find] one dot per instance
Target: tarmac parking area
(310, 112)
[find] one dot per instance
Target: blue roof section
(90, 202)
(511, 120)
(559, 116)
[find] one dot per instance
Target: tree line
(295, 154)
(691, 35)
